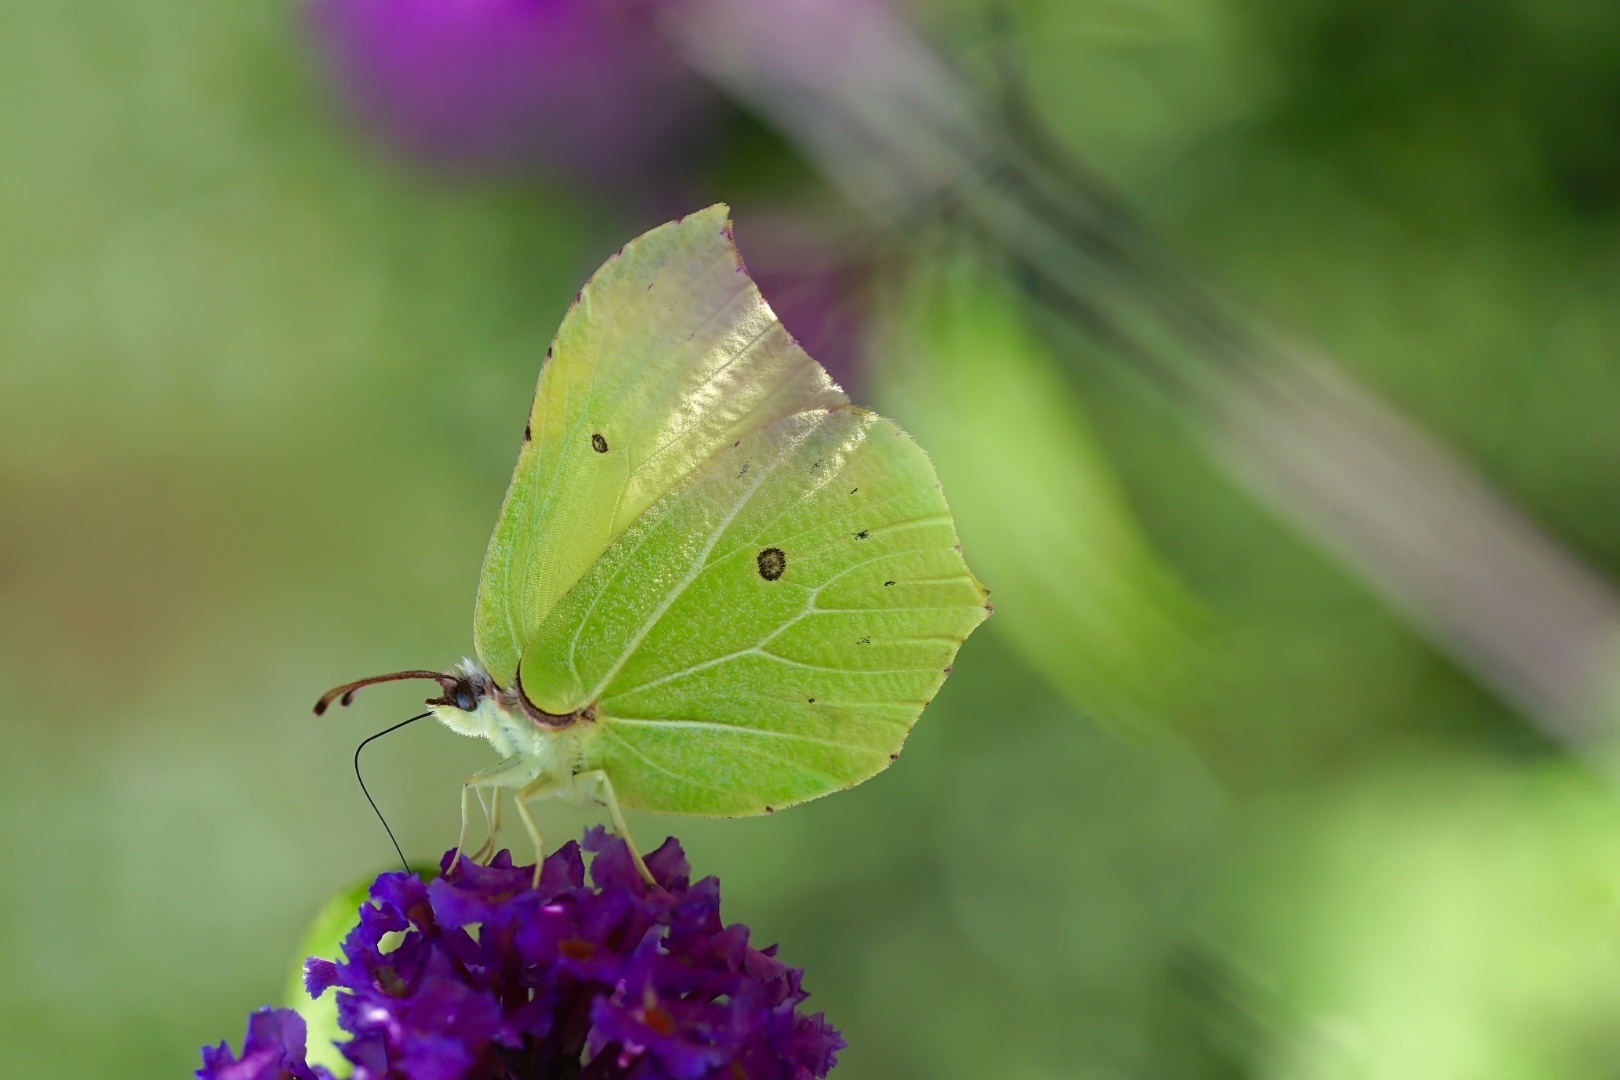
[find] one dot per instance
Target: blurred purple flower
(479, 976)
(585, 87)
(816, 271)
(273, 1050)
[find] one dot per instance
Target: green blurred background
(1193, 804)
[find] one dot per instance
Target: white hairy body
(538, 761)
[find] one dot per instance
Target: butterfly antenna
(367, 794)
(345, 693)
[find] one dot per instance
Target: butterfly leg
(605, 796)
(478, 793)
(492, 818)
(466, 819)
(513, 772)
(495, 819)
(538, 788)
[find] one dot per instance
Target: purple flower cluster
(479, 975)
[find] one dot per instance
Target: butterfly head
(466, 686)
(471, 703)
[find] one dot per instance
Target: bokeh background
(274, 288)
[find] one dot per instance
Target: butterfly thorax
(475, 706)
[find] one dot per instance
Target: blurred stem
(889, 123)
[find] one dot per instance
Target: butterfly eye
(465, 698)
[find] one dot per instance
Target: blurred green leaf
(324, 939)
(1043, 520)
(1436, 919)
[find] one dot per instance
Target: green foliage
(1079, 591)
(1452, 919)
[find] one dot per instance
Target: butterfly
(715, 587)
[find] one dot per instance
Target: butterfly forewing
(668, 356)
(768, 631)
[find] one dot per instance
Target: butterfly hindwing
(668, 356)
(769, 630)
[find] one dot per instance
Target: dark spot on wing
(526, 435)
(742, 471)
(886, 584)
(864, 641)
(862, 535)
(853, 490)
(812, 701)
(598, 443)
(770, 809)
(815, 464)
(894, 757)
(772, 563)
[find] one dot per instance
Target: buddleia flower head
(481, 975)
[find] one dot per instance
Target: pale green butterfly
(715, 587)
